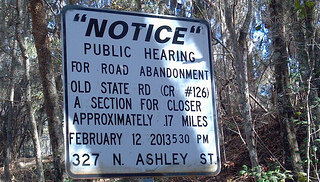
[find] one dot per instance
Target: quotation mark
(194, 30)
(77, 17)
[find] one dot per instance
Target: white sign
(139, 95)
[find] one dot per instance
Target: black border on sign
(65, 92)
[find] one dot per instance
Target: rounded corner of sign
(69, 7)
(217, 172)
(205, 22)
(71, 174)
(218, 169)
(66, 8)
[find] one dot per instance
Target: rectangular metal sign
(139, 95)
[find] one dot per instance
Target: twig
(315, 132)
(262, 107)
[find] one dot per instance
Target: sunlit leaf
(242, 172)
(297, 4)
(309, 4)
(314, 148)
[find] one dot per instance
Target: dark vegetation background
(267, 67)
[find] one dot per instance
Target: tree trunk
(30, 112)
(240, 58)
(282, 85)
(10, 105)
(139, 7)
(46, 68)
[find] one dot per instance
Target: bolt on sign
(139, 95)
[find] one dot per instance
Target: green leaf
(295, 120)
(258, 27)
(309, 4)
(316, 161)
(242, 172)
(282, 176)
(264, 176)
(270, 173)
(297, 4)
(273, 178)
(302, 123)
(245, 167)
(258, 174)
(302, 13)
(297, 152)
(314, 148)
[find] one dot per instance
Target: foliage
(301, 7)
(301, 48)
(266, 176)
